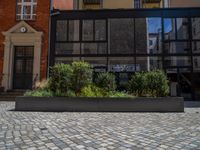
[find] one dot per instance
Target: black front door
(23, 67)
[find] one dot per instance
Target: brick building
(24, 34)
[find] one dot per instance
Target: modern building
(24, 42)
(110, 34)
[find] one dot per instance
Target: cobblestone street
(123, 131)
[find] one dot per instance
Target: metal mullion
(67, 30)
(191, 57)
(163, 44)
(107, 36)
(81, 36)
(135, 61)
(94, 30)
(176, 34)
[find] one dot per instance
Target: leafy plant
(153, 83)
(138, 84)
(39, 93)
(82, 75)
(157, 84)
(60, 80)
(92, 91)
(43, 85)
(106, 81)
(119, 94)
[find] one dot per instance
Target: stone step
(11, 95)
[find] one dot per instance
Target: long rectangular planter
(61, 104)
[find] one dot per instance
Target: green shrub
(60, 80)
(42, 85)
(69, 93)
(92, 91)
(39, 93)
(106, 81)
(157, 84)
(153, 83)
(82, 75)
(119, 94)
(137, 85)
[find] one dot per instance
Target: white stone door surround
(22, 34)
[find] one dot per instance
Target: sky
(154, 24)
(63, 4)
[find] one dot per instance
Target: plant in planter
(81, 75)
(106, 81)
(157, 84)
(138, 84)
(60, 80)
(153, 83)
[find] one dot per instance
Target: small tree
(60, 78)
(106, 81)
(82, 75)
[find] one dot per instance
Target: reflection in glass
(73, 30)
(182, 28)
(196, 28)
(196, 63)
(121, 36)
(177, 61)
(143, 63)
(121, 64)
(154, 36)
(141, 36)
(196, 47)
(155, 63)
(61, 30)
(176, 28)
(169, 28)
(67, 48)
(177, 47)
(100, 30)
(94, 48)
(87, 30)
(99, 64)
(66, 60)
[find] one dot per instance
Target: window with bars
(137, 4)
(26, 9)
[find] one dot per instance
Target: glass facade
(135, 41)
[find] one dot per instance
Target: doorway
(23, 67)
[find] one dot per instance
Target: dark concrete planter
(60, 104)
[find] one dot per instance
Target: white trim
(22, 15)
(12, 39)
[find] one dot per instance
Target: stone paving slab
(101, 131)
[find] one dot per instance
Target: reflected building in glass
(127, 41)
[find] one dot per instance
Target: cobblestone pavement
(123, 131)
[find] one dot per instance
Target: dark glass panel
(73, 30)
(177, 47)
(169, 28)
(141, 35)
(121, 36)
(66, 60)
(177, 61)
(67, 48)
(196, 28)
(155, 63)
(121, 64)
(100, 30)
(143, 63)
(94, 48)
(154, 36)
(61, 30)
(87, 30)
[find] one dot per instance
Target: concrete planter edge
(78, 104)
